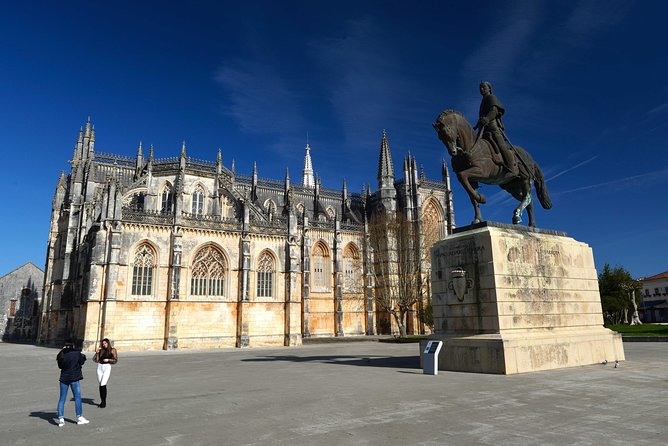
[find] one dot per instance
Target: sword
(480, 129)
(519, 157)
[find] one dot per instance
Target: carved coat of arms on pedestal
(460, 284)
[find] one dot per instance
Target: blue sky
(583, 84)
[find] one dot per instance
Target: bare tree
(399, 277)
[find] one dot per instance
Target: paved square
(367, 393)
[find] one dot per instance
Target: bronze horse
(473, 162)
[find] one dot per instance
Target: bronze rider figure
(491, 126)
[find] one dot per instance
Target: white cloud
(260, 101)
(557, 175)
(629, 182)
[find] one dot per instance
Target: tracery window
(208, 273)
(270, 206)
(431, 223)
(198, 200)
(351, 269)
(265, 275)
(167, 200)
(135, 201)
(321, 276)
(143, 267)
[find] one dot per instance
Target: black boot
(103, 396)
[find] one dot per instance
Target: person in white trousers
(106, 356)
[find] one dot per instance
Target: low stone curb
(645, 338)
(333, 339)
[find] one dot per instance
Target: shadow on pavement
(401, 362)
(46, 416)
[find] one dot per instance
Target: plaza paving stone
(362, 393)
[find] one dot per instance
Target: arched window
(198, 200)
(265, 275)
(143, 268)
(321, 276)
(208, 273)
(431, 223)
(135, 201)
(351, 269)
(167, 200)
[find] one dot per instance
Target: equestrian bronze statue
(490, 159)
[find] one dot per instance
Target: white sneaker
(82, 420)
(61, 422)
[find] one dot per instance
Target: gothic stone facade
(183, 253)
(19, 302)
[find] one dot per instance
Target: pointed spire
(92, 134)
(183, 149)
(87, 134)
(287, 179)
(219, 162)
(345, 189)
(445, 173)
(307, 172)
(78, 149)
(139, 152)
(385, 166)
(254, 183)
(150, 153)
(233, 170)
(61, 179)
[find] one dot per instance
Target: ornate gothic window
(135, 201)
(143, 268)
(431, 223)
(352, 269)
(198, 200)
(265, 275)
(167, 200)
(321, 276)
(208, 273)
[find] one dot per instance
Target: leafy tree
(614, 284)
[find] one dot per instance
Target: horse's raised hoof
(480, 198)
(517, 220)
(475, 221)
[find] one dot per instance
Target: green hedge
(640, 330)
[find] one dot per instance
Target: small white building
(654, 307)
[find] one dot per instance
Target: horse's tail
(541, 188)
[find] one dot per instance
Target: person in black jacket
(70, 361)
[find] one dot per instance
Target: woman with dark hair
(106, 356)
(70, 361)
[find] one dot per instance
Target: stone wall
(20, 292)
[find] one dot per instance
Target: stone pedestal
(511, 299)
